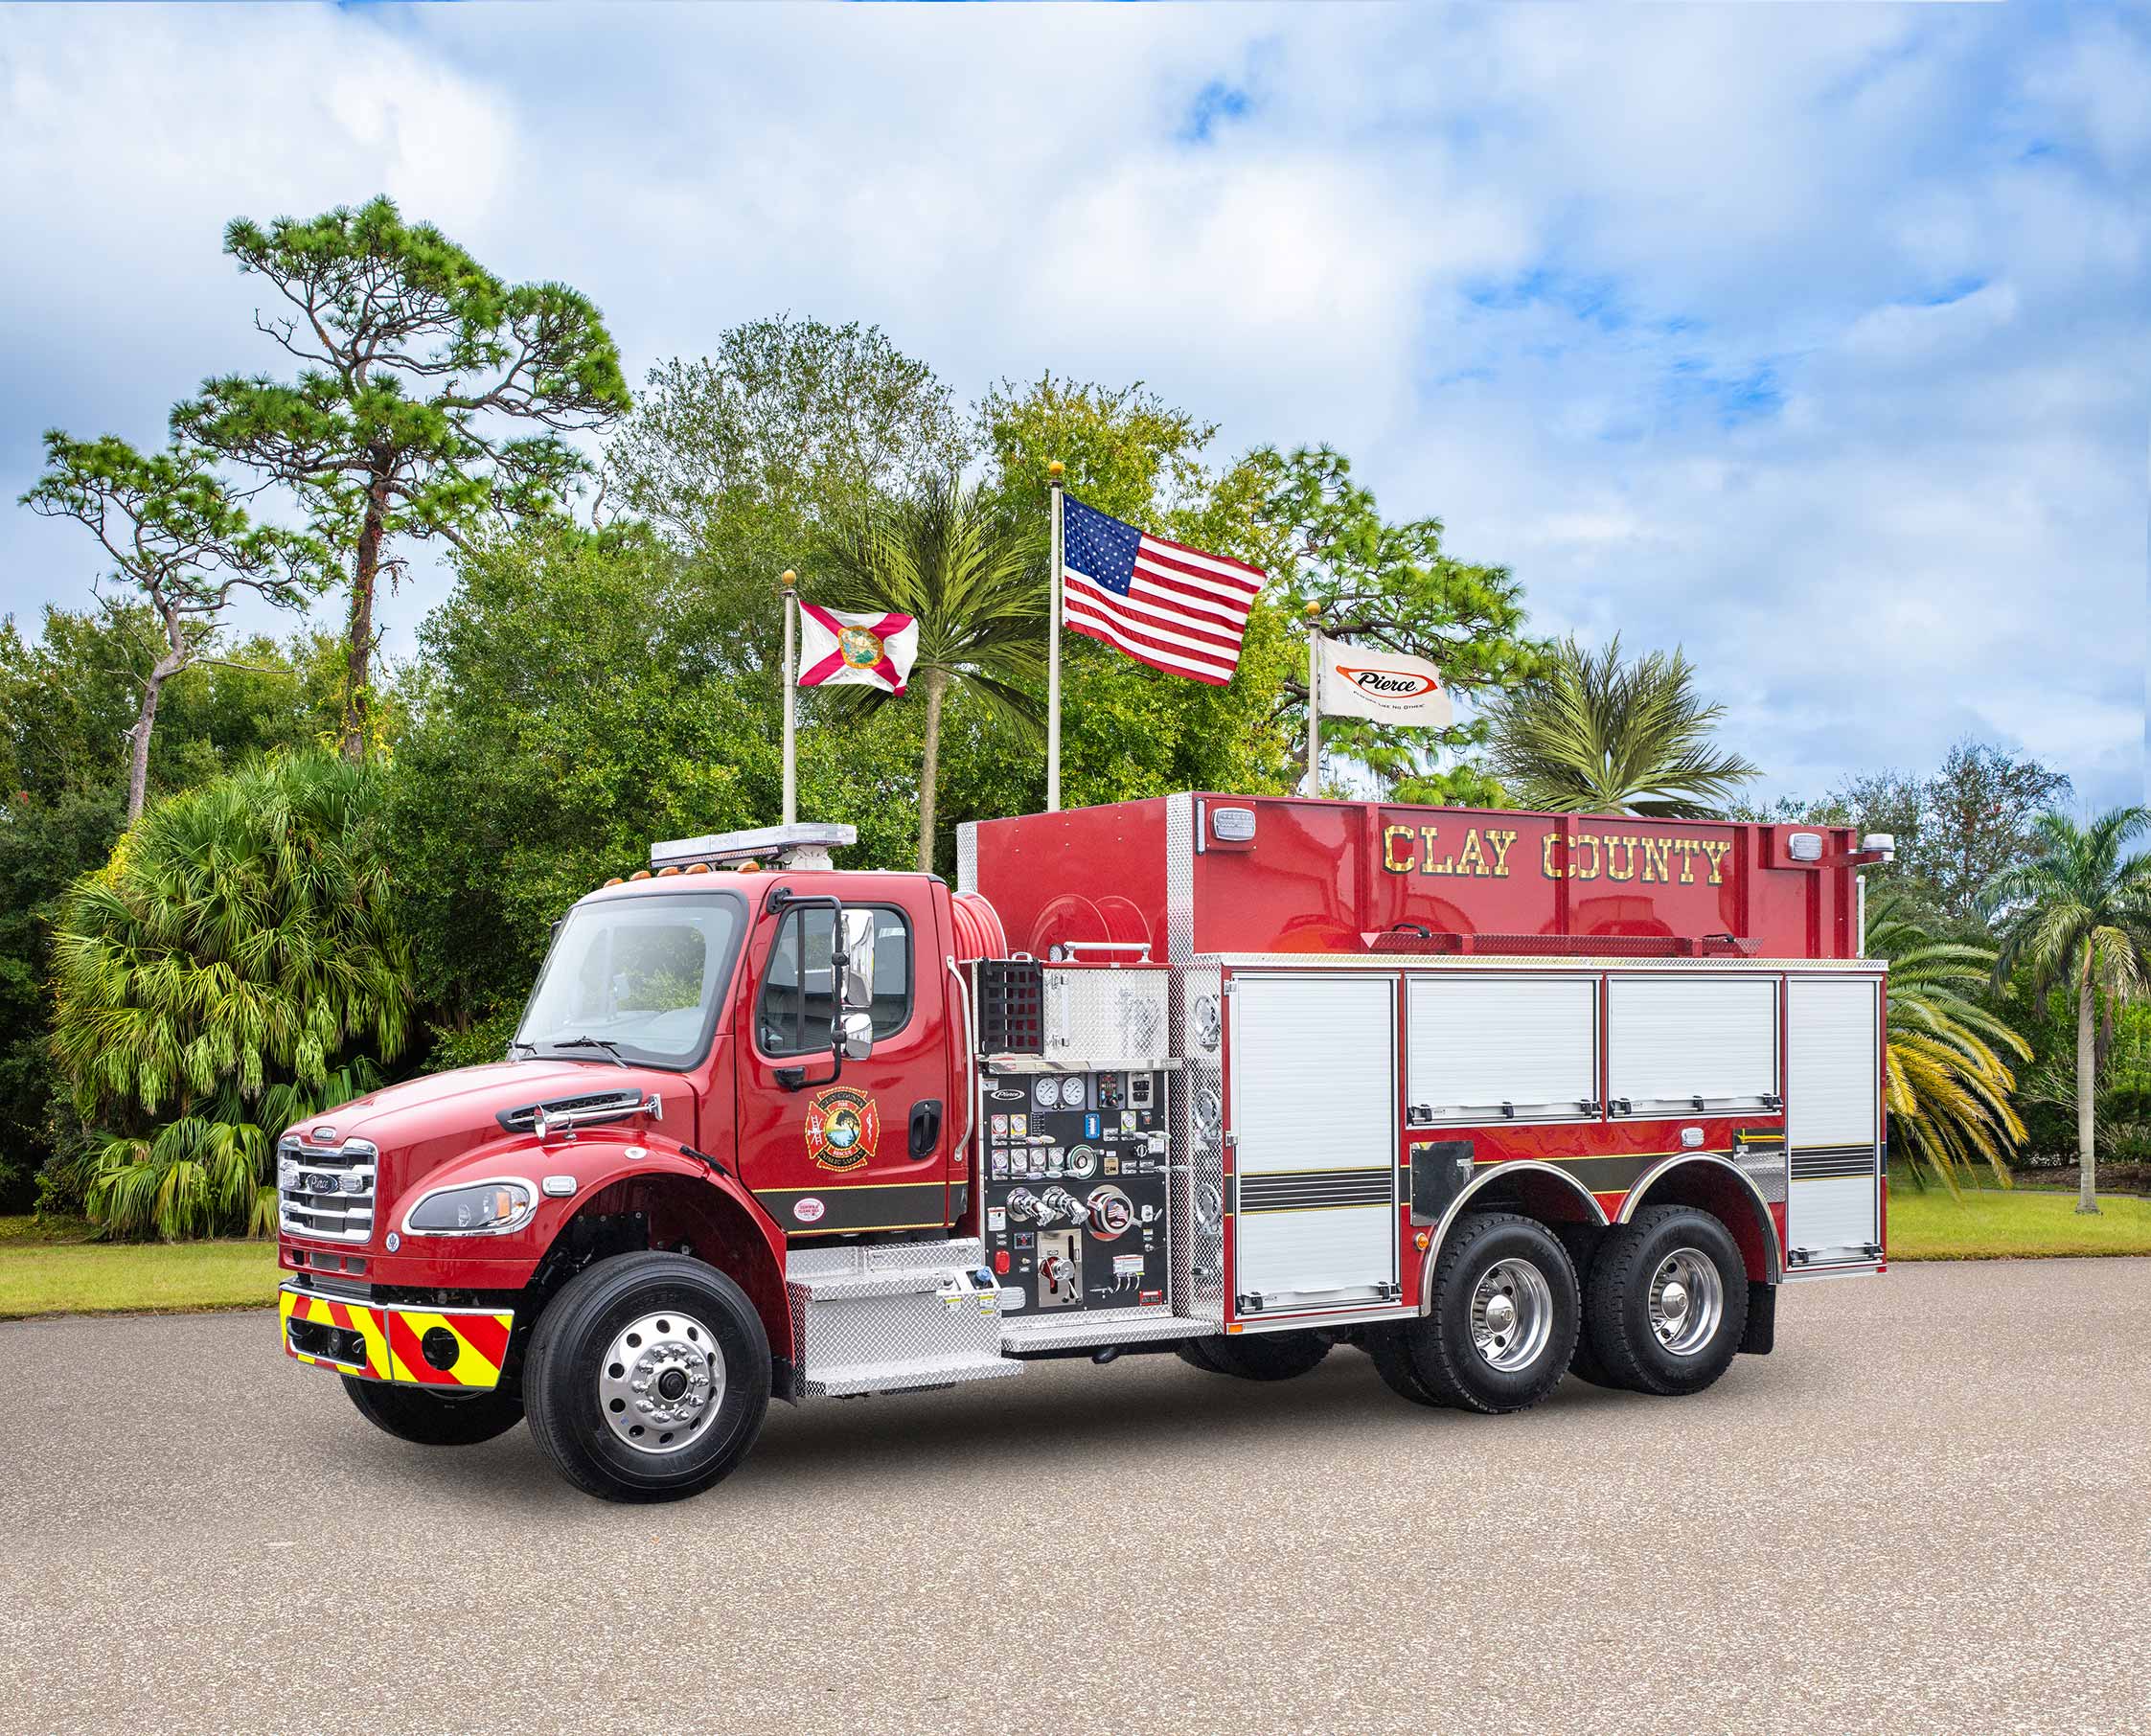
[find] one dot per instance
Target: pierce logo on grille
(323, 1136)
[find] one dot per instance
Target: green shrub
(236, 967)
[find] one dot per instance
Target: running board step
(894, 1318)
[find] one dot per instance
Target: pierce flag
(846, 648)
(1383, 685)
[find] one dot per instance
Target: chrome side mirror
(858, 959)
(857, 1036)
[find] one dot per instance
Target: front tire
(1668, 1301)
(648, 1378)
(429, 1419)
(1503, 1328)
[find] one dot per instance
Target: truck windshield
(643, 975)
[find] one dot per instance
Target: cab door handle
(925, 1129)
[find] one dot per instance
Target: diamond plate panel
(884, 1318)
(1180, 878)
(1765, 1166)
(967, 857)
(1196, 1120)
(1108, 1016)
(1121, 1325)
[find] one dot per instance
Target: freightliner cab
(1489, 1096)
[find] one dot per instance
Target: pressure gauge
(1083, 1161)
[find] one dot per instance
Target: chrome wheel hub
(1687, 1302)
(660, 1381)
(1512, 1314)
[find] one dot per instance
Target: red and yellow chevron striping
(391, 1342)
(481, 1344)
(348, 1317)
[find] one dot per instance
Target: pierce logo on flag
(842, 648)
(1390, 683)
(1173, 608)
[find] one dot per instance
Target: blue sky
(1814, 340)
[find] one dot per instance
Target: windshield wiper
(519, 1043)
(592, 1042)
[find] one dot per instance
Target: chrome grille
(325, 1192)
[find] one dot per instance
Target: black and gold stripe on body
(1609, 1175)
(1833, 1162)
(849, 1208)
(1316, 1190)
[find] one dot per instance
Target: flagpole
(1053, 655)
(790, 696)
(1313, 701)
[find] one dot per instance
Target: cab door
(835, 1149)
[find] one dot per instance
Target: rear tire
(1583, 1242)
(1505, 1317)
(431, 1419)
(1667, 1302)
(648, 1378)
(1282, 1355)
(1392, 1351)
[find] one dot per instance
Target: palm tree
(2078, 916)
(1593, 736)
(978, 592)
(236, 965)
(1949, 1087)
(199, 1174)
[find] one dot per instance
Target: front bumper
(461, 1348)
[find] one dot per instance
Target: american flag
(1163, 603)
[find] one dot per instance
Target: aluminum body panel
(1313, 1097)
(1672, 1039)
(1833, 1121)
(1480, 1039)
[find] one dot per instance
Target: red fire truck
(1491, 1096)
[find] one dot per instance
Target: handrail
(970, 1064)
(1075, 949)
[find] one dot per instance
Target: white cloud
(1813, 340)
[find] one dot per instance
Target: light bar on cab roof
(807, 844)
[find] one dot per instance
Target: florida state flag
(838, 647)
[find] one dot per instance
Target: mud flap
(1762, 1320)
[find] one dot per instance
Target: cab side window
(799, 991)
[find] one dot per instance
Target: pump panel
(1075, 1188)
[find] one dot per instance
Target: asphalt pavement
(1929, 1510)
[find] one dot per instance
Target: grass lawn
(54, 1269)
(51, 1270)
(1990, 1224)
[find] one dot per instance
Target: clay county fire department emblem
(843, 1127)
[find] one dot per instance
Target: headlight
(472, 1211)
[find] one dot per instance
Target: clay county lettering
(1483, 852)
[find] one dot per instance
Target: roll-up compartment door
(1313, 1090)
(1833, 1119)
(1675, 1038)
(1494, 1048)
